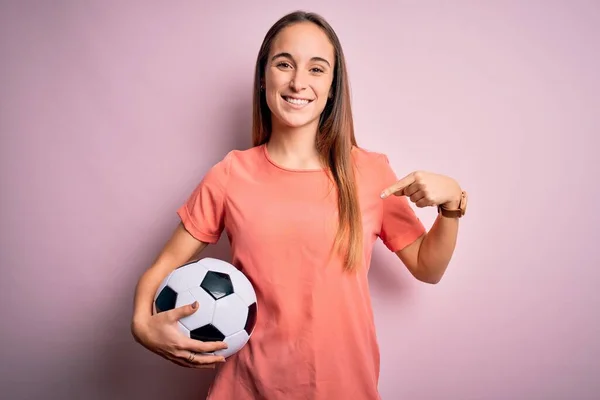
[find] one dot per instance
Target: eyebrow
(288, 55)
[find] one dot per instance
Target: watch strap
(455, 213)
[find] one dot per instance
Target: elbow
(430, 275)
(432, 280)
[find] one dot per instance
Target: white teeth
(296, 101)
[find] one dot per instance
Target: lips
(297, 101)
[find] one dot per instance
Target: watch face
(463, 203)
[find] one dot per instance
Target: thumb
(183, 311)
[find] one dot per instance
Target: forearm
(181, 248)
(144, 293)
(437, 248)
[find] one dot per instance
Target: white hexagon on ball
(186, 277)
(230, 315)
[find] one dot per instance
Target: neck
(294, 147)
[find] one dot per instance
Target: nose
(298, 82)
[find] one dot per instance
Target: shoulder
(216, 180)
(364, 158)
(233, 165)
(373, 167)
(237, 159)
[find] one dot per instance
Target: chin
(296, 121)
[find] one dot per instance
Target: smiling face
(298, 75)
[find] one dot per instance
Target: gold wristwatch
(456, 213)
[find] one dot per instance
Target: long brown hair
(335, 137)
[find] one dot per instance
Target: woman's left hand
(427, 189)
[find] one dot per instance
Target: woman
(302, 209)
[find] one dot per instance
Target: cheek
(325, 88)
(323, 93)
(273, 84)
(272, 91)
(275, 79)
(271, 102)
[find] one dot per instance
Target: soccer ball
(226, 302)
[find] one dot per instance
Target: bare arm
(159, 333)
(178, 250)
(428, 257)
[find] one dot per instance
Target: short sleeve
(400, 226)
(203, 213)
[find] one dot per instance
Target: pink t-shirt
(315, 333)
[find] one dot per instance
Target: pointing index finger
(397, 187)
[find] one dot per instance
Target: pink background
(111, 112)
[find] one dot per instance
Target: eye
(317, 70)
(284, 64)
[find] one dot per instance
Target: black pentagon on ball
(166, 300)
(207, 333)
(217, 284)
(251, 319)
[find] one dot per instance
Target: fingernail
(223, 359)
(382, 195)
(195, 304)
